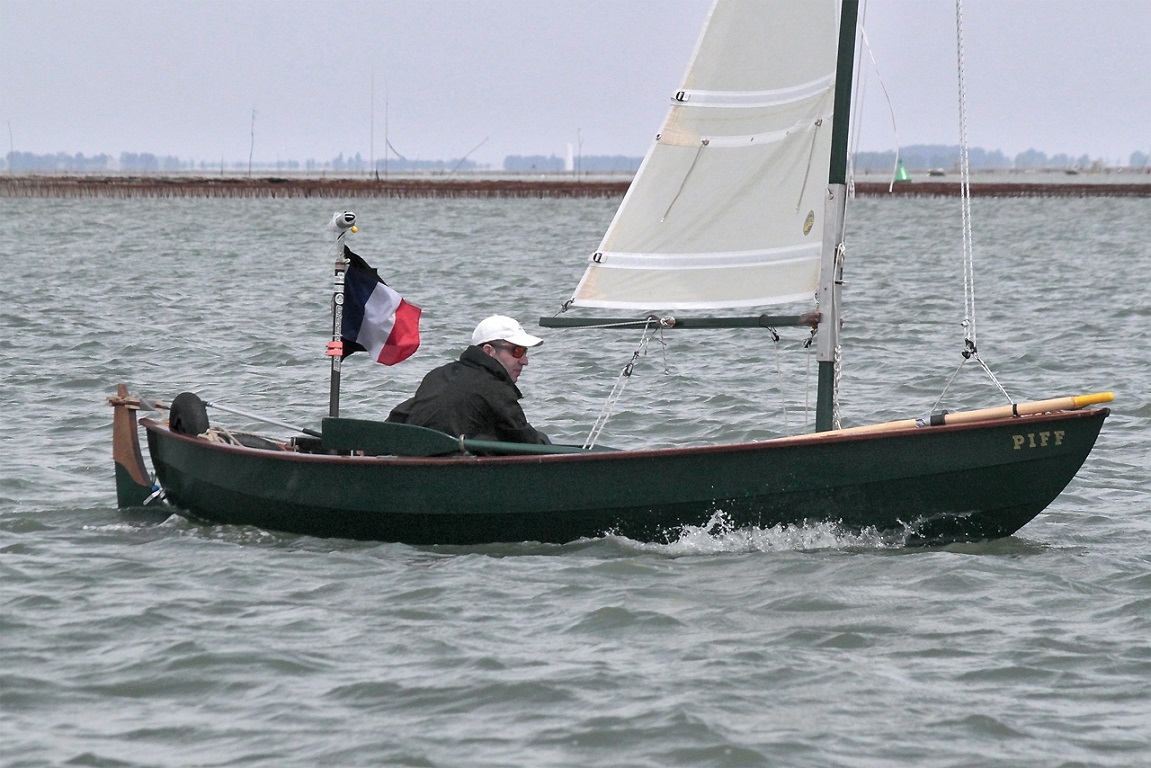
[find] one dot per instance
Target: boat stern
(133, 487)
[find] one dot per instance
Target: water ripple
(146, 639)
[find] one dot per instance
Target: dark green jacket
(473, 397)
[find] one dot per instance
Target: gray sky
(529, 76)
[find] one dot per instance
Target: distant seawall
(552, 187)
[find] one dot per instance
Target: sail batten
(620, 260)
(727, 208)
(681, 138)
(744, 99)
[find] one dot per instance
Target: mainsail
(727, 208)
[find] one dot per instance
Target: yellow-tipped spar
(1071, 403)
(1082, 401)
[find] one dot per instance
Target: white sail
(726, 209)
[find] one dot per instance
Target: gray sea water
(143, 639)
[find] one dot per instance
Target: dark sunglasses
(516, 350)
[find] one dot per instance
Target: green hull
(946, 483)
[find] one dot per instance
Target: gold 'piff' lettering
(1038, 439)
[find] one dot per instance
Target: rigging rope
(779, 374)
(859, 98)
(986, 369)
(837, 356)
(808, 386)
(965, 194)
(970, 349)
(621, 380)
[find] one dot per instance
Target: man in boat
(476, 396)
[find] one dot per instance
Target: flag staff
(342, 222)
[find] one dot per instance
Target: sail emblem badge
(809, 222)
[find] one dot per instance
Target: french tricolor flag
(376, 318)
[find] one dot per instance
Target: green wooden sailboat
(738, 207)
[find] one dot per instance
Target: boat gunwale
(772, 444)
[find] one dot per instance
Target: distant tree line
(924, 157)
(61, 161)
(358, 164)
(79, 163)
(398, 165)
(145, 162)
(582, 164)
(920, 157)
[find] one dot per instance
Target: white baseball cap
(499, 327)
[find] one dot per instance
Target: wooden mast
(831, 268)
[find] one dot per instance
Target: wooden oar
(982, 414)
